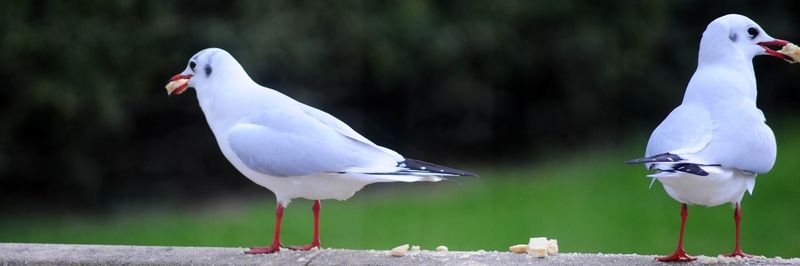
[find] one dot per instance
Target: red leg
(737, 217)
(276, 239)
(679, 254)
(315, 242)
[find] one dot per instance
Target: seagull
(710, 148)
(292, 149)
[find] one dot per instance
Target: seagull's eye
(753, 32)
(192, 65)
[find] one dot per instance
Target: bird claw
(306, 247)
(264, 250)
(677, 256)
(738, 253)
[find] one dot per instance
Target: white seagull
(709, 150)
(292, 149)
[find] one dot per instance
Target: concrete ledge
(59, 254)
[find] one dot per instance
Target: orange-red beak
(776, 42)
(178, 84)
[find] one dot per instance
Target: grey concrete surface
(61, 254)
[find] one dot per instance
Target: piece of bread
(537, 246)
(175, 84)
(519, 249)
(400, 251)
(538, 251)
(791, 50)
(552, 247)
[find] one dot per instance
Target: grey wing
(686, 130)
(742, 140)
(736, 138)
(339, 126)
(294, 144)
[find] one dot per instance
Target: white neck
(730, 79)
(219, 97)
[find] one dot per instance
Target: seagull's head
(203, 68)
(735, 35)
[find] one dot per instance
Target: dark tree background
(85, 122)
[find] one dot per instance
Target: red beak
(174, 87)
(179, 76)
(776, 42)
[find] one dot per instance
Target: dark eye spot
(733, 36)
(753, 32)
(207, 68)
(192, 65)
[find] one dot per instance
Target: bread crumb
(442, 248)
(415, 248)
(537, 246)
(174, 85)
(519, 249)
(542, 247)
(791, 50)
(552, 247)
(400, 251)
(536, 241)
(540, 252)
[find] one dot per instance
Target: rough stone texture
(49, 254)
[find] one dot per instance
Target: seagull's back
(718, 122)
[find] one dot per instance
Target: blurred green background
(544, 99)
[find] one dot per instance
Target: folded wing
(308, 141)
(686, 130)
(674, 145)
(294, 144)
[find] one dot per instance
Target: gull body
(709, 150)
(293, 149)
(245, 106)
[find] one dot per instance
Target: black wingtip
(660, 158)
(418, 165)
(634, 161)
(690, 168)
